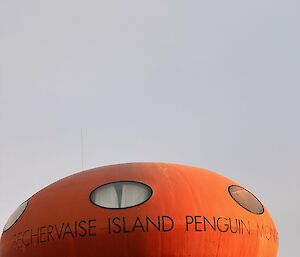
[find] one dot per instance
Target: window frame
(121, 181)
(245, 207)
(16, 220)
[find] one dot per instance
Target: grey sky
(214, 84)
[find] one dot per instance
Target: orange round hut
(141, 210)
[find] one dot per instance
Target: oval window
(15, 216)
(246, 199)
(121, 194)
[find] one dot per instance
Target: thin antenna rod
(82, 151)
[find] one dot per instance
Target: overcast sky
(214, 84)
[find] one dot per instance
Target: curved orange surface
(190, 214)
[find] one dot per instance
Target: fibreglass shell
(178, 192)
